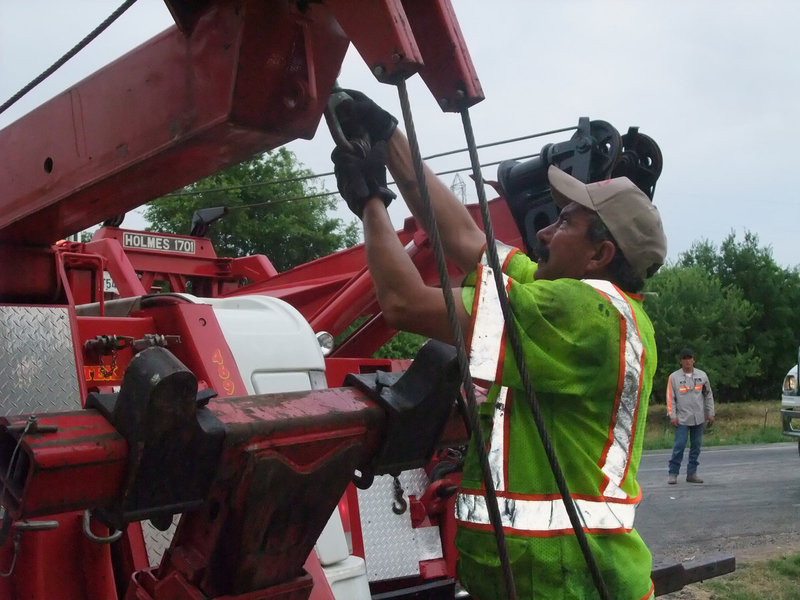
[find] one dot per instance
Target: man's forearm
(406, 301)
(390, 266)
(461, 237)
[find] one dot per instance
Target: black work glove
(361, 117)
(360, 178)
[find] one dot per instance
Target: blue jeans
(695, 435)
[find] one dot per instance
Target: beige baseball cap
(625, 210)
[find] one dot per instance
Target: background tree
(773, 293)
(402, 345)
(689, 307)
(261, 219)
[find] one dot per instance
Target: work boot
(672, 479)
(693, 479)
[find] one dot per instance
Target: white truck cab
(790, 406)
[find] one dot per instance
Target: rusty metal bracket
(669, 578)
(417, 402)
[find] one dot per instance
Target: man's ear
(602, 257)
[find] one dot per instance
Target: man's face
(687, 363)
(564, 247)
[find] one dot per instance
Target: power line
(324, 194)
(245, 186)
(330, 173)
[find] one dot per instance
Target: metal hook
(10, 571)
(355, 146)
(399, 505)
(87, 531)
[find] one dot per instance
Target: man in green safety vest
(586, 339)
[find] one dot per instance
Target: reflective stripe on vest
(669, 396)
(549, 517)
(617, 453)
(497, 441)
(504, 252)
(546, 517)
(488, 331)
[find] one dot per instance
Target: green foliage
(689, 307)
(774, 295)
(403, 345)
(260, 219)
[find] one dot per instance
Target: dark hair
(620, 271)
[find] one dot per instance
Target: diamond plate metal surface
(157, 541)
(37, 361)
(392, 547)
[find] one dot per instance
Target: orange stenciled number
(223, 372)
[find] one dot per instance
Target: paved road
(748, 506)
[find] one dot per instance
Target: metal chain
(516, 347)
(112, 367)
(432, 229)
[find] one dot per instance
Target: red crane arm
(247, 76)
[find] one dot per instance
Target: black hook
(399, 505)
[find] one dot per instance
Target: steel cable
(516, 347)
(75, 49)
(432, 229)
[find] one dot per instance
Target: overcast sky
(716, 84)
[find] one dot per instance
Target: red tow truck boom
(232, 79)
(153, 407)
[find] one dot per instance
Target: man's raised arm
(462, 239)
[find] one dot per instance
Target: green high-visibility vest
(591, 353)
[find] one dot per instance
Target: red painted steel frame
(211, 275)
(331, 292)
(59, 563)
(334, 291)
(84, 447)
(284, 454)
(238, 77)
(252, 75)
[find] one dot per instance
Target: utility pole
(459, 188)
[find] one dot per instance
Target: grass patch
(775, 579)
(757, 422)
